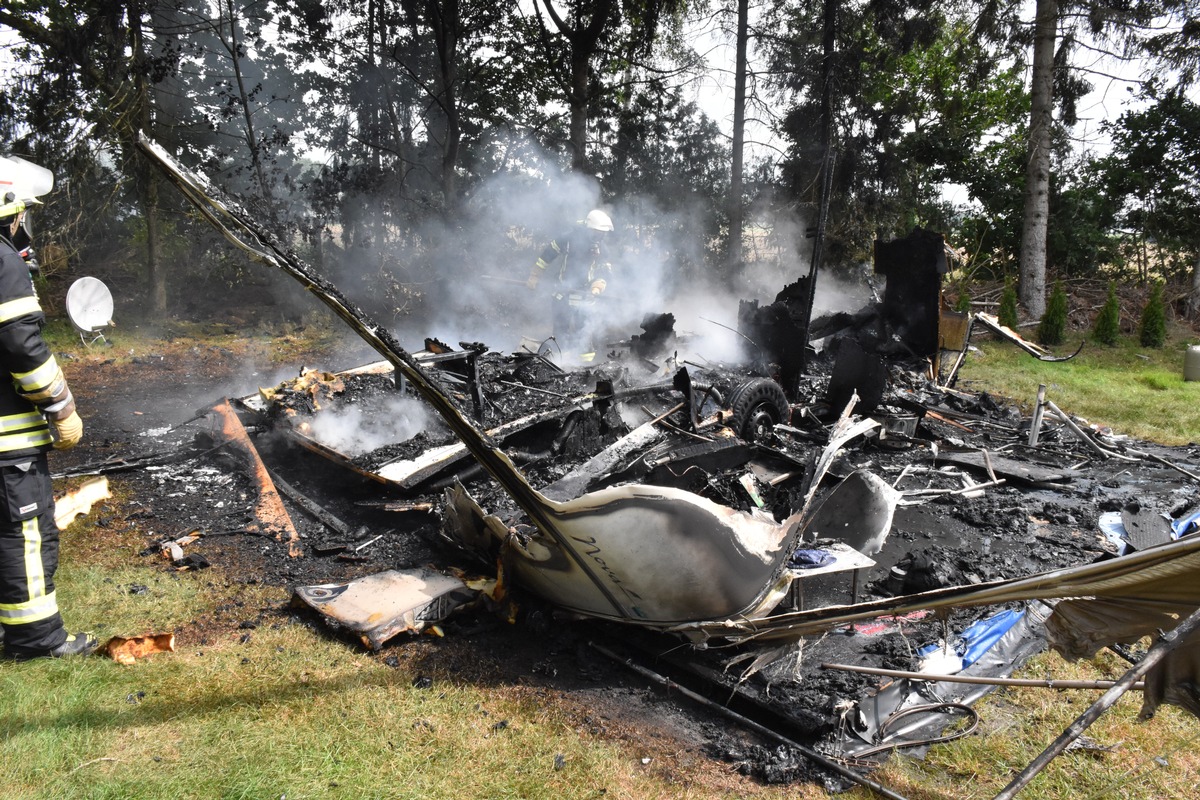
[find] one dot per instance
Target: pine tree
(1107, 327)
(1152, 332)
(1053, 327)
(1008, 305)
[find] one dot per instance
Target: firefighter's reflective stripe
(16, 422)
(20, 431)
(549, 256)
(18, 308)
(35, 610)
(40, 605)
(41, 378)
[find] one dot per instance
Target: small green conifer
(1008, 304)
(1107, 327)
(1152, 332)
(1053, 326)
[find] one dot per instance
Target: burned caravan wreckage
(835, 495)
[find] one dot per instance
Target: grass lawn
(1134, 390)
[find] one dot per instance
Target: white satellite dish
(90, 308)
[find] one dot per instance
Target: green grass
(291, 714)
(277, 342)
(1134, 390)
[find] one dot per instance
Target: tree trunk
(583, 35)
(444, 20)
(578, 100)
(158, 279)
(264, 191)
(1037, 176)
(739, 136)
(1194, 296)
(155, 277)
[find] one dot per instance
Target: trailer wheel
(758, 405)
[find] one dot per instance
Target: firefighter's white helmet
(21, 183)
(597, 220)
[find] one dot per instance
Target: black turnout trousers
(28, 557)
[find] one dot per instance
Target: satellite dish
(90, 308)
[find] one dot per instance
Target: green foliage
(1008, 304)
(1081, 235)
(1053, 326)
(963, 303)
(1153, 178)
(1152, 331)
(1107, 327)
(921, 100)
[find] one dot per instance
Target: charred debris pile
(834, 501)
(722, 503)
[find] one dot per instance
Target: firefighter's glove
(598, 287)
(67, 431)
(535, 275)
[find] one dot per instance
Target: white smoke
(353, 430)
(474, 271)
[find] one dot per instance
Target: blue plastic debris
(978, 638)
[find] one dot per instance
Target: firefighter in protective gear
(37, 412)
(582, 270)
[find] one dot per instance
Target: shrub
(963, 303)
(1008, 304)
(1152, 332)
(1107, 327)
(1053, 327)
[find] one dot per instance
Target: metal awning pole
(1161, 648)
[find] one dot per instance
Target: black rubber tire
(758, 405)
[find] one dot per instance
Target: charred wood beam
(312, 507)
(268, 509)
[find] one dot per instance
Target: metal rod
(1160, 460)
(1176, 467)
(533, 389)
(808, 753)
(1079, 434)
(963, 490)
(977, 679)
(1082, 435)
(1039, 408)
(1161, 648)
(368, 543)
